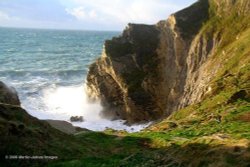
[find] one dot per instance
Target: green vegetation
(206, 133)
(22, 134)
(216, 134)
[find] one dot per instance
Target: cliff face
(121, 76)
(151, 71)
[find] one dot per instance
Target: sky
(86, 14)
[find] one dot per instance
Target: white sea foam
(63, 102)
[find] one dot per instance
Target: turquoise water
(50, 56)
(48, 68)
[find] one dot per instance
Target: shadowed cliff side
(118, 75)
(151, 71)
(141, 74)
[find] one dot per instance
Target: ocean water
(48, 68)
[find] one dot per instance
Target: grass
(173, 141)
(177, 144)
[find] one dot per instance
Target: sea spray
(72, 101)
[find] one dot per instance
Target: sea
(48, 68)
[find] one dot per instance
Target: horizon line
(59, 29)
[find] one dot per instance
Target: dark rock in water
(8, 95)
(76, 119)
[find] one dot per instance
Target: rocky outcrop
(117, 77)
(8, 95)
(151, 71)
(65, 127)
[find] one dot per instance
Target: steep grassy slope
(199, 135)
(22, 134)
(201, 139)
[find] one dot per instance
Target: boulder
(76, 119)
(66, 127)
(8, 95)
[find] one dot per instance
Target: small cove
(48, 69)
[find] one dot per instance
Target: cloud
(4, 16)
(78, 12)
(121, 11)
(86, 14)
(118, 13)
(81, 14)
(8, 20)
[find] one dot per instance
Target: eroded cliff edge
(151, 71)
